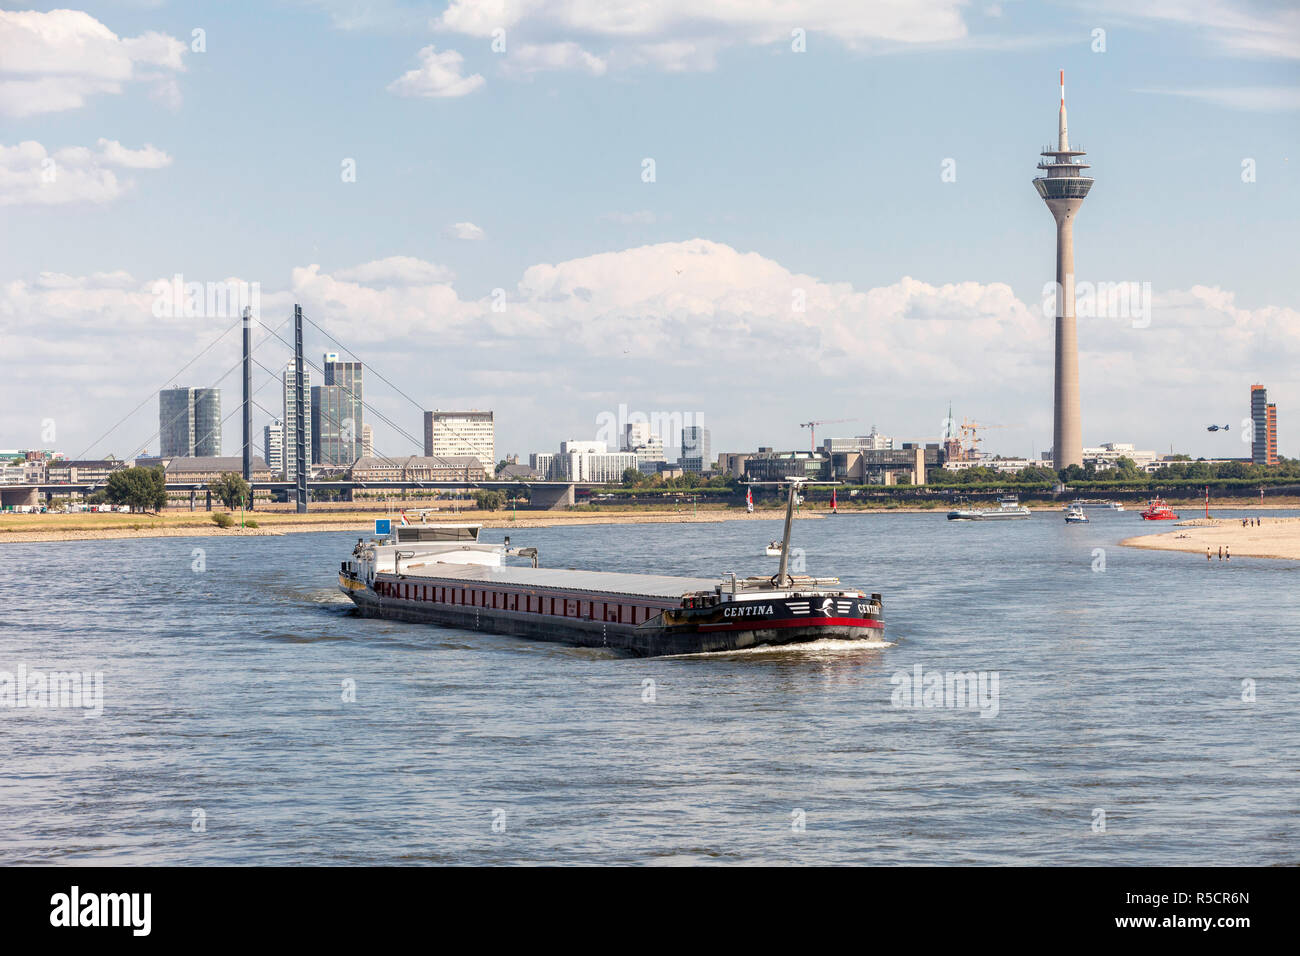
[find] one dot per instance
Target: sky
(753, 214)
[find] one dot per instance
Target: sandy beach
(1273, 538)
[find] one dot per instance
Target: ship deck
(597, 582)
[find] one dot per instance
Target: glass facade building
(189, 423)
(337, 410)
(696, 454)
(290, 419)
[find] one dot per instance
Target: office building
(1263, 418)
(290, 419)
(273, 444)
(337, 414)
(189, 422)
(697, 455)
(454, 434)
(873, 442)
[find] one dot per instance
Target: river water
(1118, 732)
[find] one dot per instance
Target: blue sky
(817, 170)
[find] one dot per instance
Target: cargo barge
(444, 574)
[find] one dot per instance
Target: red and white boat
(1157, 510)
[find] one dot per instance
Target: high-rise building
(336, 413)
(1263, 419)
(448, 434)
(697, 455)
(273, 445)
(290, 420)
(367, 441)
(1064, 189)
(189, 422)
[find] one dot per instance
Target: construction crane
(812, 426)
(970, 439)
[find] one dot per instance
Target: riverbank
(90, 526)
(1272, 538)
(94, 526)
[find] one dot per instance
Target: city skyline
(907, 272)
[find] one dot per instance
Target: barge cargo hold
(443, 574)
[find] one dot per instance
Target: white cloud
(397, 270)
(438, 75)
(693, 326)
(1255, 99)
(464, 230)
(677, 35)
(1246, 28)
(30, 175)
(54, 61)
(535, 57)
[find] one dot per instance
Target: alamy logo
(179, 299)
(40, 690)
(103, 909)
(953, 690)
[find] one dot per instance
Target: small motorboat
(1076, 515)
(773, 549)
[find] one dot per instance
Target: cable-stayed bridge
(543, 494)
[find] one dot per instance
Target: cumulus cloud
(464, 230)
(31, 175)
(534, 57)
(438, 75)
(54, 61)
(692, 326)
(677, 35)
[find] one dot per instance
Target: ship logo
(828, 607)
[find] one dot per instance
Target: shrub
(222, 520)
(250, 523)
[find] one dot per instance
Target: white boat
(1093, 503)
(773, 550)
(1076, 515)
(1009, 506)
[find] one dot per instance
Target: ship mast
(783, 579)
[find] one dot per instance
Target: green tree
(229, 488)
(487, 500)
(141, 489)
(632, 477)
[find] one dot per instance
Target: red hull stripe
(757, 625)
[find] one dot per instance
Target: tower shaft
(1067, 428)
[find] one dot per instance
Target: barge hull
(649, 639)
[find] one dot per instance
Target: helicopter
(1215, 428)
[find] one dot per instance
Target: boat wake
(810, 648)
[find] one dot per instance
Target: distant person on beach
(1227, 553)
(1220, 552)
(1207, 552)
